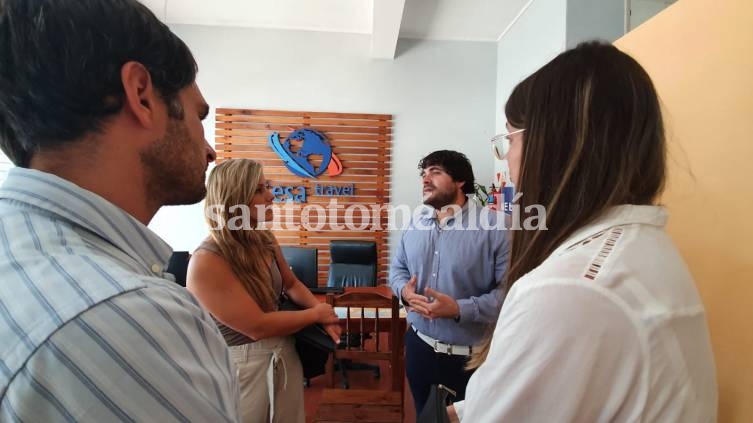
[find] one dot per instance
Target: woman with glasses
(602, 321)
(238, 274)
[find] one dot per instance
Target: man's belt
(443, 348)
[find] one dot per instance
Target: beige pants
(270, 378)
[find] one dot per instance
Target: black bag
(312, 343)
(435, 409)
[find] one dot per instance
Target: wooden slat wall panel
(363, 142)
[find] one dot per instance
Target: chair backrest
(371, 310)
(353, 263)
(303, 262)
(178, 266)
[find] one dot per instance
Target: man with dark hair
(100, 111)
(447, 270)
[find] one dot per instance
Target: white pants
(270, 379)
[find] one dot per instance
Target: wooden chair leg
(343, 374)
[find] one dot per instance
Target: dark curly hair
(60, 63)
(456, 165)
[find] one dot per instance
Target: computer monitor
(303, 263)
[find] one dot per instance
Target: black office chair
(353, 264)
(178, 266)
(303, 262)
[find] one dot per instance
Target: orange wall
(700, 56)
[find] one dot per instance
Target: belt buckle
(442, 348)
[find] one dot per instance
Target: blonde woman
(238, 274)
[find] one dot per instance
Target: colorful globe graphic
(298, 156)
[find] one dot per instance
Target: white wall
(589, 19)
(441, 95)
(544, 29)
(536, 37)
(643, 10)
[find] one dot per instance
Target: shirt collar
(429, 214)
(616, 216)
(70, 202)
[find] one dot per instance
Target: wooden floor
(358, 379)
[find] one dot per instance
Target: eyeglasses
(501, 143)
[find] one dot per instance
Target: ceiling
(467, 20)
(384, 20)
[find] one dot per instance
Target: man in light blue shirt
(447, 270)
(100, 112)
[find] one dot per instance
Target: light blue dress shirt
(453, 258)
(91, 327)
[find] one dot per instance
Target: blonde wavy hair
(249, 252)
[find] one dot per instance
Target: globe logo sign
(298, 157)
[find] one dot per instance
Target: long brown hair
(248, 251)
(594, 138)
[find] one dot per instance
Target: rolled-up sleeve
(399, 273)
(485, 308)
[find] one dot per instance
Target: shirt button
(156, 268)
(436, 252)
(433, 274)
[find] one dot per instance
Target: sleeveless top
(232, 337)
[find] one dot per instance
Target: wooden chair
(367, 312)
(353, 263)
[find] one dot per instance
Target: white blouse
(609, 328)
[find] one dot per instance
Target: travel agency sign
(297, 152)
